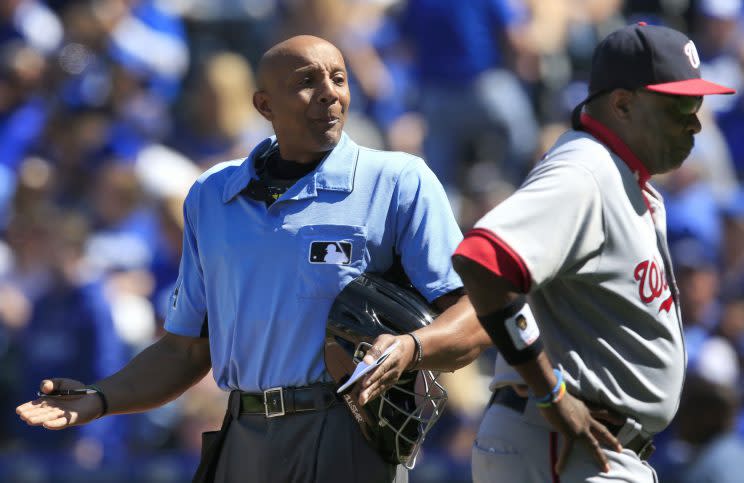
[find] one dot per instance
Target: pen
(385, 354)
(67, 392)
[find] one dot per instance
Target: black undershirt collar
(286, 169)
(276, 175)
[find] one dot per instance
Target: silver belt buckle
(270, 402)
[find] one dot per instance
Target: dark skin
(569, 416)
(159, 374)
(303, 92)
(659, 129)
(452, 341)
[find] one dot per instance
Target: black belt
(506, 396)
(279, 401)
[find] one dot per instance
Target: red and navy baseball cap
(657, 58)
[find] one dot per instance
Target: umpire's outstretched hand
(60, 412)
(573, 419)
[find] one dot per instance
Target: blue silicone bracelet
(555, 391)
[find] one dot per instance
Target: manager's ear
(621, 101)
(261, 101)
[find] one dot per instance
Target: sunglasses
(683, 105)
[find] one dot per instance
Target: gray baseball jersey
(593, 241)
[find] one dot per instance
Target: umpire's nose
(327, 91)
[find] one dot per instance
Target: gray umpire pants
(320, 446)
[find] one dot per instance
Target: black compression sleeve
(495, 325)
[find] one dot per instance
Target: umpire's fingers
(376, 383)
(40, 418)
(370, 393)
(381, 343)
(30, 415)
(58, 383)
(49, 385)
(65, 420)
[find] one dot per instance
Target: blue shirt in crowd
(456, 41)
(71, 331)
(267, 277)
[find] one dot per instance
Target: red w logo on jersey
(653, 283)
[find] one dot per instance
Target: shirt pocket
(331, 256)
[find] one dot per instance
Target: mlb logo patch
(330, 252)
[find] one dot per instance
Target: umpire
(256, 284)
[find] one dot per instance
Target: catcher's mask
(396, 422)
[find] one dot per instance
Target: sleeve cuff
(492, 253)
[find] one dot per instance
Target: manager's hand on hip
(59, 412)
(387, 373)
(571, 417)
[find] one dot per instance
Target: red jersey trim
(491, 252)
(610, 139)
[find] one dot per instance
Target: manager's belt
(279, 401)
(506, 396)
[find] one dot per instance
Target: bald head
(303, 92)
(280, 57)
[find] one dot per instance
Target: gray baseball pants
(523, 447)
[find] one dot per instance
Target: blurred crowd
(110, 109)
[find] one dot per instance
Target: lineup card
(362, 368)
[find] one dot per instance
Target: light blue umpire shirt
(267, 277)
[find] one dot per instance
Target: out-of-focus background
(109, 109)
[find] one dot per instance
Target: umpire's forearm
(158, 374)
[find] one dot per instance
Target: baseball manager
(571, 279)
(595, 352)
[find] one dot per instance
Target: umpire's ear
(261, 101)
